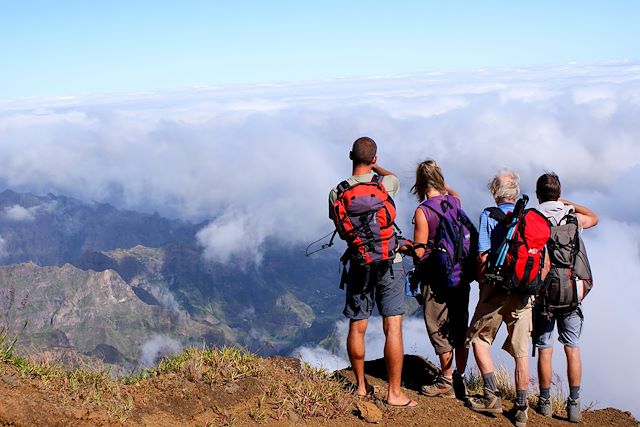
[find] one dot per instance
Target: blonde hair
(428, 177)
(504, 186)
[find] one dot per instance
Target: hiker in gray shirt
(570, 319)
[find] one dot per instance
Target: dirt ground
(170, 400)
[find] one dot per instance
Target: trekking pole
(324, 246)
(517, 213)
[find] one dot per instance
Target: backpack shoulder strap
(439, 206)
(496, 213)
(454, 201)
(342, 187)
(464, 220)
(570, 218)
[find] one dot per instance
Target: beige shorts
(494, 308)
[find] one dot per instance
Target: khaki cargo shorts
(494, 308)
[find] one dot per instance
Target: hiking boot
(442, 387)
(488, 403)
(521, 416)
(459, 386)
(573, 410)
(544, 407)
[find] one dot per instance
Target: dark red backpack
(516, 265)
(364, 216)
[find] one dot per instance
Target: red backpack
(364, 216)
(516, 265)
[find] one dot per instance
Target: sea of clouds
(258, 162)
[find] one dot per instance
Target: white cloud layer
(258, 162)
(157, 347)
(3, 247)
(18, 213)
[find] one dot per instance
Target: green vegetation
(209, 365)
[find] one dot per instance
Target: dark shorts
(383, 286)
(446, 314)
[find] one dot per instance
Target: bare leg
(545, 370)
(355, 350)
(522, 373)
(574, 365)
(393, 357)
(446, 362)
(482, 354)
(461, 355)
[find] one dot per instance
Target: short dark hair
(548, 187)
(363, 150)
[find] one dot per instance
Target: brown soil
(169, 400)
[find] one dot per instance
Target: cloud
(257, 162)
(233, 234)
(157, 347)
(3, 247)
(321, 358)
(18, 213)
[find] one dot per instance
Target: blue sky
(78, 47)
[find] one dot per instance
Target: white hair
(505, 186)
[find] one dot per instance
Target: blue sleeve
(484, 231)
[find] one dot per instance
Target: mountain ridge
(61, 248)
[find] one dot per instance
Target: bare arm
(481, 264)
(451, 191)
(586, 218)
(420, 231)
(381, 171)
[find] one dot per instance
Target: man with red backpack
(567, 283)
(505, 291)
(363, 211)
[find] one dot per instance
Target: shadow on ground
(416, 372)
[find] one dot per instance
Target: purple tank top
(432, 221)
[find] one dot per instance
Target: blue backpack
(452, 260)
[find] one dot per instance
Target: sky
(242, 114)
(76, 47)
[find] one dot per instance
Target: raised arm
(381, 171)
(451, 191)
(586, 217)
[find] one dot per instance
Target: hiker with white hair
(496, 306)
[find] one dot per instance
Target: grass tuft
(506, 387)
(314, 394)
